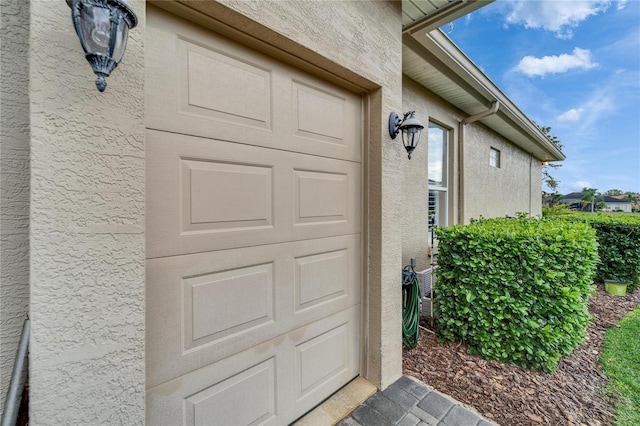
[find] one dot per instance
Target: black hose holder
(409, 273)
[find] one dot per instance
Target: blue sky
(571, 65)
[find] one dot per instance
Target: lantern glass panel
(121, 40)
(411, 136)
(95, 23)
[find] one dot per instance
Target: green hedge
(516, 290)
(618, 236)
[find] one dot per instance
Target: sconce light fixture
(102, 27)
(410, 127)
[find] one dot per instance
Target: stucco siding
(87, 228)
(485, 191)
(362, 39)
(493, 192)
(415, 187)
(14, 183)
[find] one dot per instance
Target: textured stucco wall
(87, 228)
(536, 187)
(487, 191)
(494, 192)
(363, 39)
(415, 188)
(14, 182)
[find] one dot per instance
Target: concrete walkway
(408, 402)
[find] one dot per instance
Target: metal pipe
(12, 403)
(530, 180)
(471, 119)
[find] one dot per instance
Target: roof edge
(449, 13)
(468, 67)
(452, 57)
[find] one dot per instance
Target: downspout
(461, 134)
(12, 403)
(530, 179)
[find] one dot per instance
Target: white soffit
(427, 15)
(435, 62)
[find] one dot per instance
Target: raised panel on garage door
(272, 383)
(254, 193)
(206, 306)
(205, 194)
(206, 85)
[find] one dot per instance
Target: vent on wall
(427, 279)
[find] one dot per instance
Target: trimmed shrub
(618, 238)
(558, 209)
(516, 290)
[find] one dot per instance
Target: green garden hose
(410, 307)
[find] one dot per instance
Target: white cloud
(621, 4)
(584, 118)
(560, 17)
(573, 114)
(580, 59)
(580, 184)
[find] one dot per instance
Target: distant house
(617, 203)
(612, 204)
(574, 201)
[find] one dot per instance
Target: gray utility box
(427, 280)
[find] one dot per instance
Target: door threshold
(340, 404)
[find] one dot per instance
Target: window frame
(439, 194)
(495, 157)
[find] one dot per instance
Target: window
(438, 183)
(494, 158)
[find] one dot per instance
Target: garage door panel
(326, 271)
(206, 85)
(229, 302)
(321, 358)
(214, 391)
(273, 382)
(220, 401)
(323, 114)
(213, 195)
(193, 333)
(326, 197)
(219, 195)
(217, 86)
(206, 306)
(325, 121)
(207, 195)
(321, 197)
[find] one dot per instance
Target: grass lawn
(621, 362)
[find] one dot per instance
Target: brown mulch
(510, 395)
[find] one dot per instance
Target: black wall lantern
(410, 127)
(102, 27)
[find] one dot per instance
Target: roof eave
(510, 121)
(451, 11)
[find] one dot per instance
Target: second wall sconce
(410, 127)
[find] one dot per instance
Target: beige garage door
(253, 232)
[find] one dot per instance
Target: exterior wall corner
(87, 227)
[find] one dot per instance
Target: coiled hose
(410, 307)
